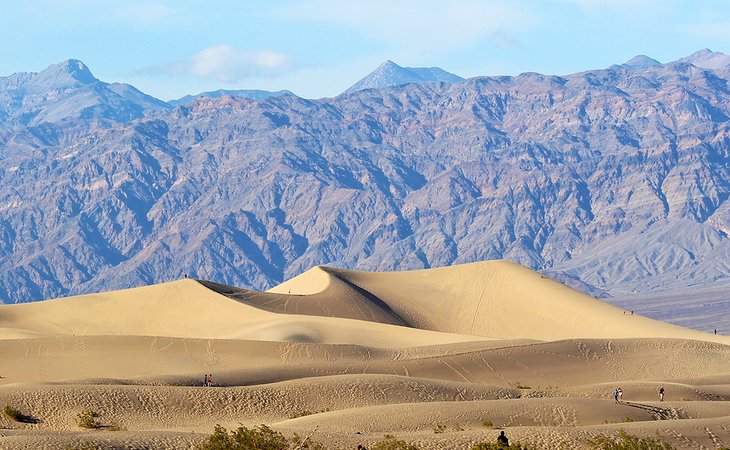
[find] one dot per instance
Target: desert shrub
(14, 413)
(258, 438)
(438, 429)
(497, 446)
(625, 441)
(391, 443)
(87, 419)
(487, 423)
(298, 443)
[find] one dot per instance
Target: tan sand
(426, 355)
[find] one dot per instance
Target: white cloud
(430, 24)
(224, 63)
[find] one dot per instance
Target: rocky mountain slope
(391, 74)
(613, 180)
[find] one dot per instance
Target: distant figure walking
(620, 394)
(615, 394)
(210, 379)
(715, 330)
(205, 380)
(186, 275)
(661, 394)
(502, 439)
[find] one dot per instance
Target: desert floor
(428, 356)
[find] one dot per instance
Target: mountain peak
(391, 74)
(66, 73)
(388, 63)
(642, 61)
(707, 59)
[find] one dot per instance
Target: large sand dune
(427, 355)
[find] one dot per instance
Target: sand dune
(427, 355)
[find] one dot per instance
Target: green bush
(391, 443)
(625, 441)
(14, 413)
(259, 438)
(487, 423)
(87, 419)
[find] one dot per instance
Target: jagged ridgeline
(613, 180)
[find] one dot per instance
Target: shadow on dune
(352, 302)
(657, 412)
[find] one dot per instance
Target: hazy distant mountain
(68, 90)
(616, 180)
(391, 74)
(707, 59)
(254, 94)
(642, 61)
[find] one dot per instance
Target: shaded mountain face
(255, 94)
(391, 74)
(68, 91)
(612, 180)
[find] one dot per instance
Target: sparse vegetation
(87, 419)
(259, 438)
(391, 443)
(14, 413)
(521, 386)
(438, 429)
(625, 441)
(487, 423)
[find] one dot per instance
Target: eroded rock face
(613, 180)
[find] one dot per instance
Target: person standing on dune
(661, 394)
(615, 394)
(620, 394)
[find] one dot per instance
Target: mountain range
(255, 94)
(615, 181)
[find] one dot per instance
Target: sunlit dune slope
(486, 300)
(187, 309)
(494, 299)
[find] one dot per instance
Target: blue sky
(318, 48)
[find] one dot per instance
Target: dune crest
(313, 281)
